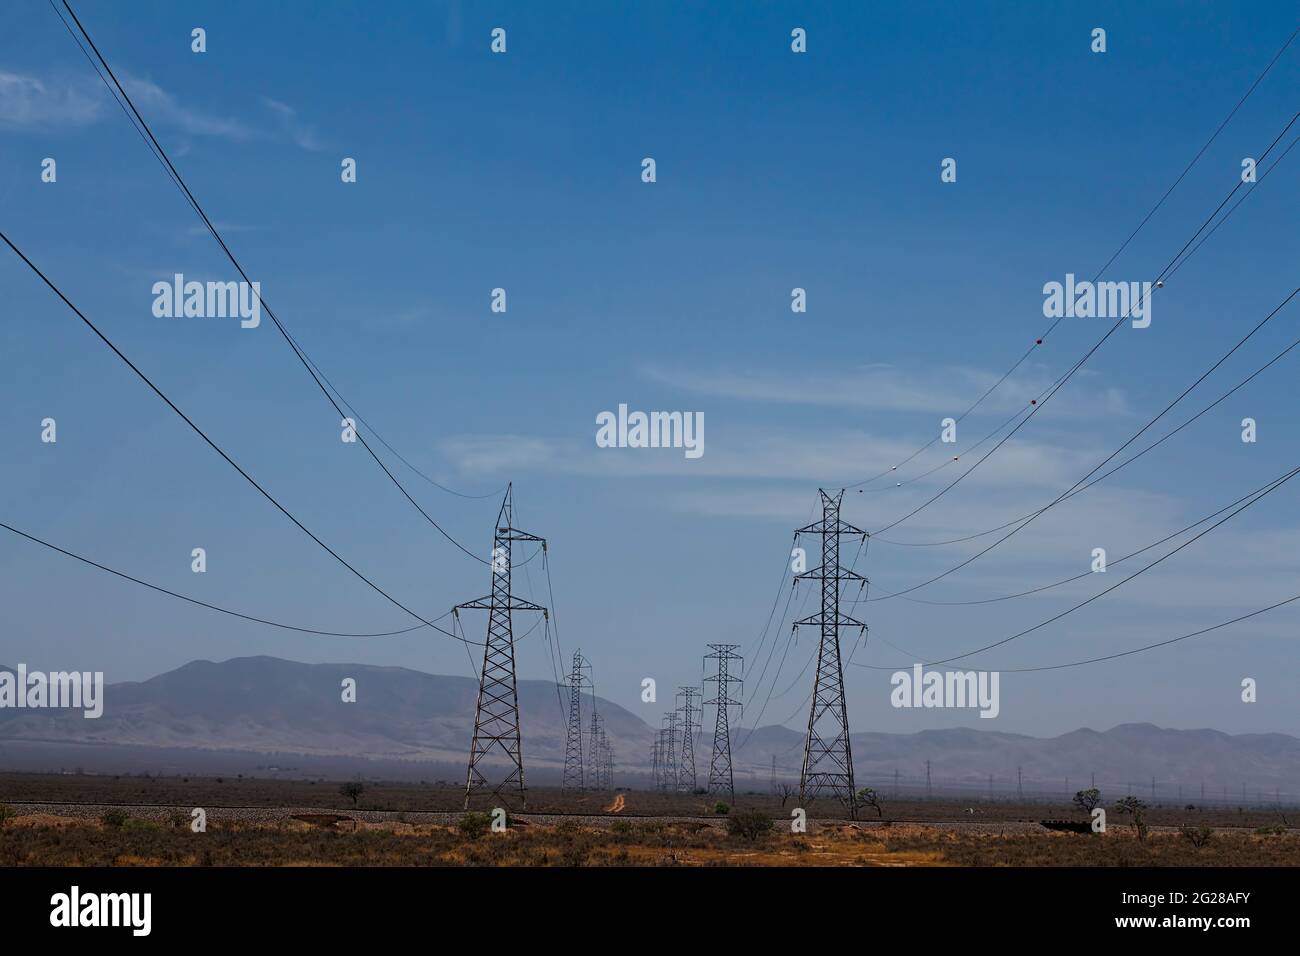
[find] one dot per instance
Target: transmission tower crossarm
(843, 620)
(843, 575)
(510, 603)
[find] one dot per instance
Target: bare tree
(1088, 800)
(353, 789)
(1136, 807)
(868, 797)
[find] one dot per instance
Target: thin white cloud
(749, 452)
(33, 103)
(945, 391)
(156, 103)
(302, 134)
(27, 102)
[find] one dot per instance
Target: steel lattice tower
(656, 759)
(496, 715)
(597, 755)
(609, 764)
(669, 760)
(720, 775)
(686, 776)
(827, 757)
(573, 764)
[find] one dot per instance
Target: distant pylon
(663, 759)
(671, 767)
(596, 758)
(686, 776)
(655, 749)
(603, 767)
(574, 776)
(496, 714)
(720, 774)
(827, 756)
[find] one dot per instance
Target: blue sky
(775, 171)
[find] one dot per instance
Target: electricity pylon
(573, 764)
(496, 714)
(656, 760)
(686, 777)
(827, 757)
(670, 767)
(597, 754)
(720, 775)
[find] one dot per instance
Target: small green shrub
(721, 808)
(749, 825)
(115, 817)
(474, 825)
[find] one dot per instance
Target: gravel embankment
(163, 813)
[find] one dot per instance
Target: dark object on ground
(1069, 826)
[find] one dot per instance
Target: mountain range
(402, 717)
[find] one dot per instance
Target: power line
(947, 461)
(214, 607)
(301, 355)
(789, 642)
(1174, 265)
(396, 454)
(1079, 490)
(1075, 488)
(202, 434)
(1148, 647)
(1115, 255)
(1269, 489)
(554, 616)
(1129, 461)
(1086, 574)
(1039, 403)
